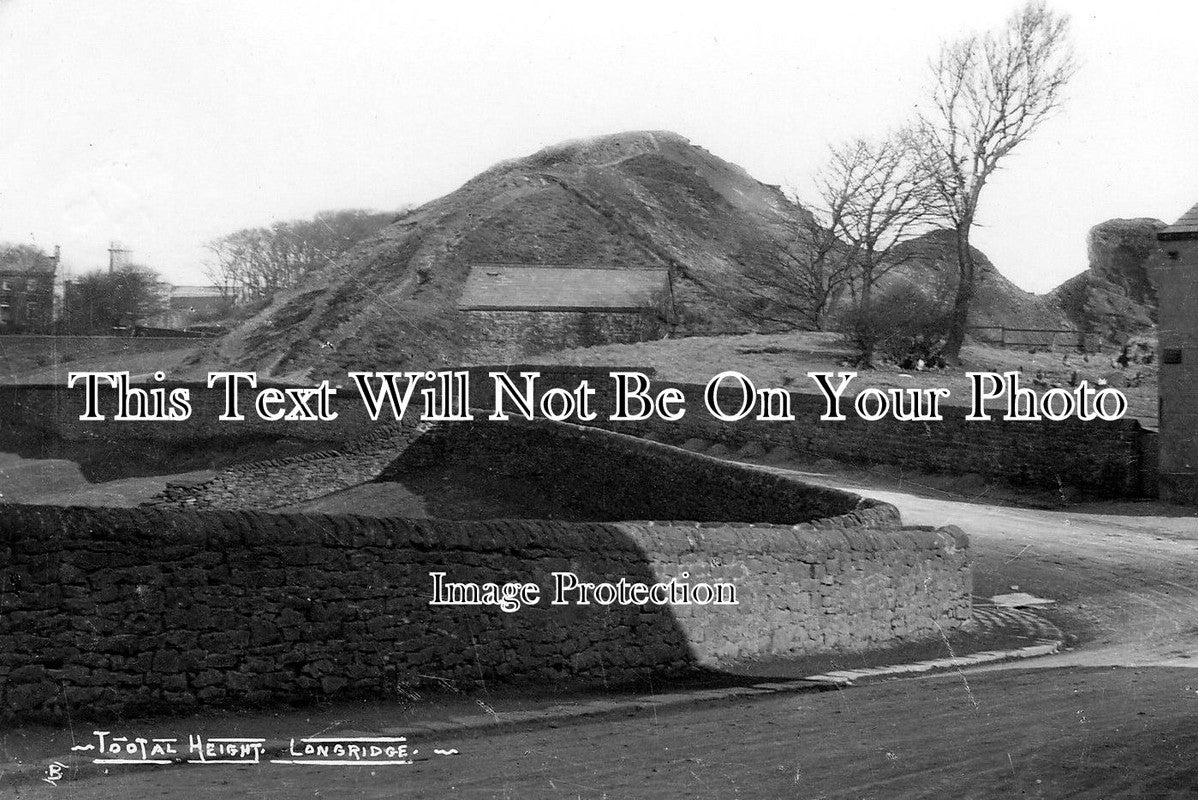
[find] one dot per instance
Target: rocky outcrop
(1115, 297)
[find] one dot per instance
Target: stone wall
(588, 473)
(52, 411)
(498, 336)
(603, 476)
(279, 482)
(1114, 459)
(1103, 458)
(1110, 459)
(42, 421)
(107, 612)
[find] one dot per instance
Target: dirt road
(1087, 733)
(1128, 584)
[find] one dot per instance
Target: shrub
(903, 325)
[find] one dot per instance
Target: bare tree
(876, 196)
(797, 276)
(873, 196)
(103, 300)
(254, 263)
(991, 93)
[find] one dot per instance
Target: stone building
(184, 306)
(519, 310)
(26, 289)
(1177, 288)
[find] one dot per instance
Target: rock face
(1115, 297)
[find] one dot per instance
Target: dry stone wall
(1115, 459)
(593, 474)
(1110, 459)
(107, 612)
(275, 483)
(601, 475)
(499, 336)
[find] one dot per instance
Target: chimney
(118, 256)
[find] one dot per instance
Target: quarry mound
(649, 201)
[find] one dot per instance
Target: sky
(166, 125)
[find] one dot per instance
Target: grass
(784, 360)
(48, 359)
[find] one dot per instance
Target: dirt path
(1128, 584)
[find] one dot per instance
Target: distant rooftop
(196, 291)
(508, 287)
(1184, 228)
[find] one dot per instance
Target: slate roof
(509, 287)
(1184, 228)
(196, 291)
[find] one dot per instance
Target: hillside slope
(930, 262)
(641, 199)
(632, 200)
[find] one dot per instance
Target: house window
(5, 286)
(5, 314)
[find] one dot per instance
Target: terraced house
(26, 289)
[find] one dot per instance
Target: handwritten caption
(110, 748)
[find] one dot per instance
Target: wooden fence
(1040, 338)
